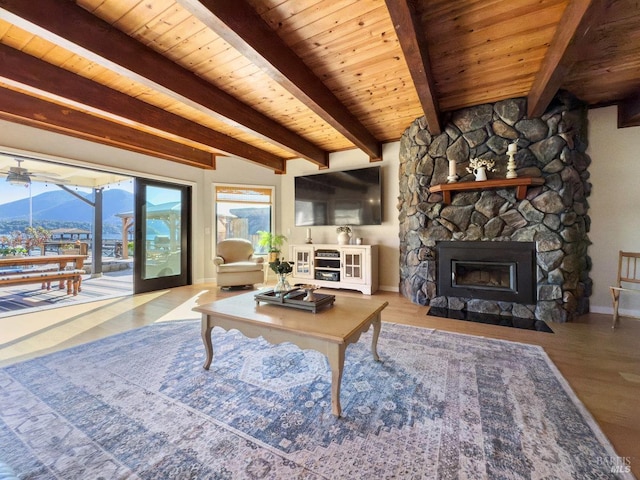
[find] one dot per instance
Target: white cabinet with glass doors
(302, 258)
(352, 267)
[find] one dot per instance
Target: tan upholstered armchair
(235, 264)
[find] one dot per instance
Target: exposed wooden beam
(571, 37)
(240, 26)
(33, 74)
(24, 109)
(75, 29)
(629, 112)
(412, 41)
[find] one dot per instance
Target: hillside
(59, 208)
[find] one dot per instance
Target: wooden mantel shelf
(521, 184)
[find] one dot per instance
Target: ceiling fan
(22, 177)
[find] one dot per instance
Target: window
(242, 211)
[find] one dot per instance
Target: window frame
(240, 186)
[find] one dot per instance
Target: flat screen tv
(350, 197)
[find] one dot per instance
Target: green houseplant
(17, 251)
(272, 243)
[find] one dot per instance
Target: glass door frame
(184, 276)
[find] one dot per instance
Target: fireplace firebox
(500, 271)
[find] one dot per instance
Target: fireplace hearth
(499, 271)
(491, 319)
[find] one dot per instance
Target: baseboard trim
(609, 311)
(388, 288)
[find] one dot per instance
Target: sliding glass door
(162, 236)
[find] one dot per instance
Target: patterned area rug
(439, 405)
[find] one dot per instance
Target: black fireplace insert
(500, 271)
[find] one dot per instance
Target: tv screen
(350, 197)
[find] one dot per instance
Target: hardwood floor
(601, 365)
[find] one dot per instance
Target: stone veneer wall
(553, 215)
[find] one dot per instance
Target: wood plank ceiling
(271, 80)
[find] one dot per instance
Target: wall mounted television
(349, 197)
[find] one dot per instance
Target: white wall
(614, 204)
(385, 235)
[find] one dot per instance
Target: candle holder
(308, 236)
(452, 177)
(511, 164)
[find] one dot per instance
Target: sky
(10, 193)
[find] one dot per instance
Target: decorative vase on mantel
(480, 166)
(480, 174)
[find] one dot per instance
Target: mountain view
(59, 209)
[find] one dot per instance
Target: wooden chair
(628, 276)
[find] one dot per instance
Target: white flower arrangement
(476, 163)
(344, 228)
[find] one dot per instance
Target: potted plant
(70, 249)
(344, 234)
(272, 242)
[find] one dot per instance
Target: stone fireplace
(549, 220)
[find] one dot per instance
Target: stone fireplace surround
(553, 215)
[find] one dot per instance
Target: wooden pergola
(127, 223)
(169, 213)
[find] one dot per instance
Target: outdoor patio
(116, 281)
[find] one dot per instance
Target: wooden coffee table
(328, 331)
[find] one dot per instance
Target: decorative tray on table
(294, 299)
